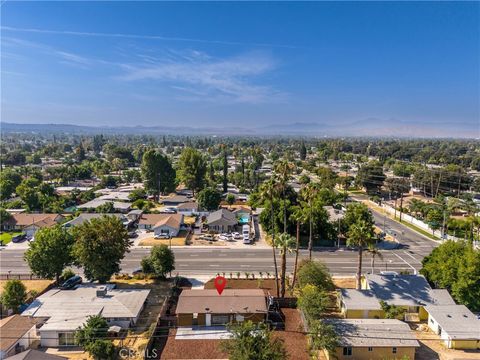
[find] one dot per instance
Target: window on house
(66, 339)
(394, 350)
(370, 348)
(347, 351)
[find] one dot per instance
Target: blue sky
(240, 64)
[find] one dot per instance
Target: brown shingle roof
(29, 219)
(12, 328)
(243, 301)
(173, 220)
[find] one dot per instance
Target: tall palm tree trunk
(273, 249)
(284, 212)
(359, 269)
(284, 272)
(296, 254)
(310, 240)
(373, 263)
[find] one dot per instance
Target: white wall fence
(418, 223)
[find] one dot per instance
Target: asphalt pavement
(209, 261)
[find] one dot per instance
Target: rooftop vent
(102, 291)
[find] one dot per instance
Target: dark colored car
(132, 234)
(19, 238)
(71, 283)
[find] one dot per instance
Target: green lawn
(6, 237)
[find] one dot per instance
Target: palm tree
(286, 243)
(309, 193)
(360, 235)
(284, 168)
(374, 251)
(300, 217)
(269, 191)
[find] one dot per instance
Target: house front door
(208, 319)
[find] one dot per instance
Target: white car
(224, 237)
(236, 235)
(162, 236)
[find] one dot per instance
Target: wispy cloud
(144, 37)
(65, 57)
(199, 76)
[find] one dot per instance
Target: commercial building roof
(243, 301)
(13, 328)
(456, 320)
(405, 290)
(68, 309)
(374, 333)
(360, 299)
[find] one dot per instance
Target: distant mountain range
(367, 127)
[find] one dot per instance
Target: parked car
(137, 271)
(168, 211)
(71, 283)
(162, 236)
(207, 237)
(224, 237)
(19, 238)
(236, 235)
(132, 234)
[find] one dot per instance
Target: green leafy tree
(312, 301)
(50, 253)
(28, 192)
(107, 208)
(192, 168)
(209, 199)
(251, 341)
(371, 176)
(93, 337)
(158, 173)
(230, 199)
(323, 336)
(99, 247)
(303, 151)
(160, 262)
(224, 169)
(454, 265)
(13, 295)
(314, 273)
(392, 311)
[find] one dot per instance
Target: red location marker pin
(220, 283)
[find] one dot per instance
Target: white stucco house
(64, 311)
(161, 223)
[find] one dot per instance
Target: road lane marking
(414, 270)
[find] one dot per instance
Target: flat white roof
(69, 308)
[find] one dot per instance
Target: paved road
(195, 261)
(204, 261)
